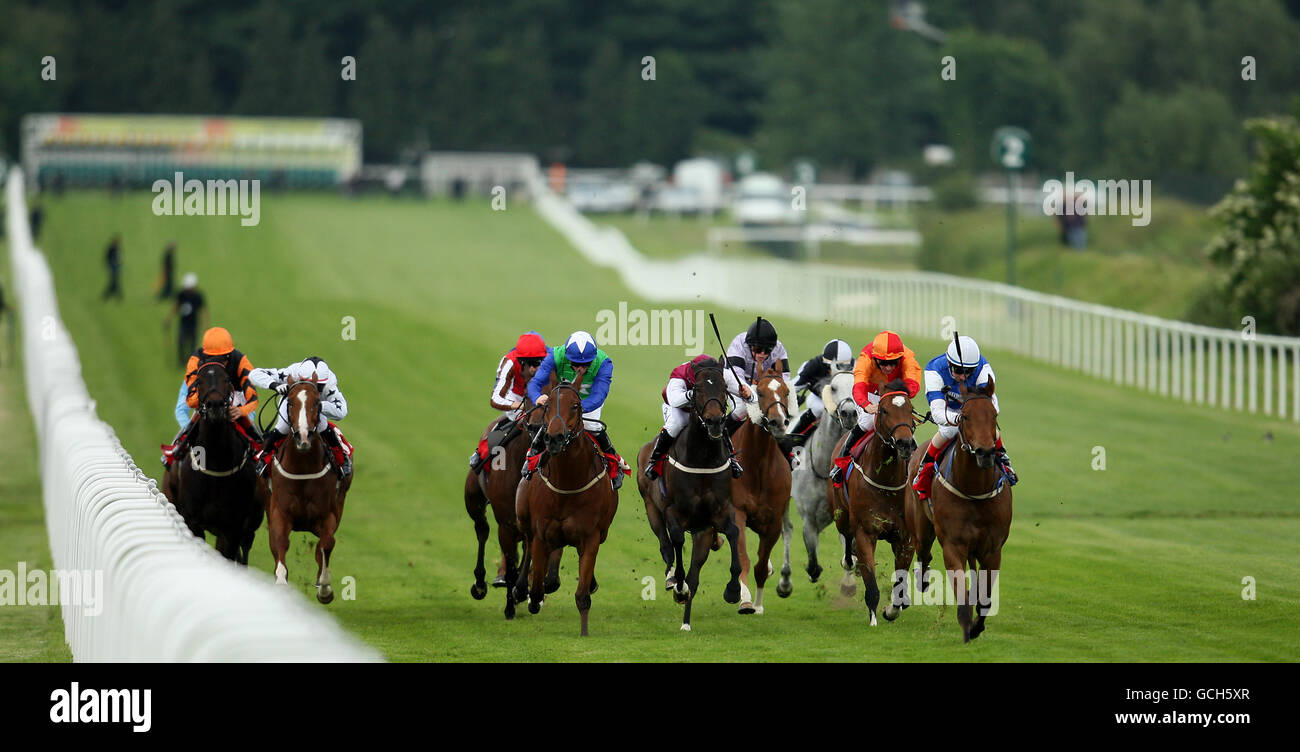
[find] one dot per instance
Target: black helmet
(761, 333)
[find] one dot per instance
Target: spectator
(190, 307)
(168, 269)
(113, 258)
(36, 220)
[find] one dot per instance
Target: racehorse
(694, 492)
(969, 511)
(569, 501)
(214, 487)
(306, 496)
(495, 484)
(809, 478)
(761, 495)
(869, 506)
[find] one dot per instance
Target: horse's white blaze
(281, 573)
(302, 415)
(898, 401)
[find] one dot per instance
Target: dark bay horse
(306, 495)
(969, 511)
(694, 493)
(569, 501)
(214, 486)
(762, 495)
(869, 506)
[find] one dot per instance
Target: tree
(1259, 244)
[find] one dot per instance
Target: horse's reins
(275, 461)
(965, 446)
(204, 413)
(569, 436)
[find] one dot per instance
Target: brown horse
(869, 506)
(969, 511)
(694, 493)
(761, 495)
(495, 484)
(569, 501)
(306, 496)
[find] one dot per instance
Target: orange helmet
(887, 346)
(217, 341)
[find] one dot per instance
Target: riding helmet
(838, 355)
(970, 352)
(761, 333)
(581, 348)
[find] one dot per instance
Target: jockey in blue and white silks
(579, 362)
(945, 375)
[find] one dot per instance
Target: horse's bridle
(569, 435)
(314, 424)
(964, 445)
(888, 438)
(204, 411)
(697, 408)
(765, 422)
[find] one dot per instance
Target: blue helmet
(581, 348)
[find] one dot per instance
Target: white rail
(165, 595)
(1198, 364)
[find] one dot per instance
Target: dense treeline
(1150, 87)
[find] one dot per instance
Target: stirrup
(736, 469)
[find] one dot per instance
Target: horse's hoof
(758, 610)
(873, 619)
(324, 593)
(784, 588)
(746, 608)
(976, 630)
(889, 612)
(533, 608)
(550, 586)
(500, 581)
(732, 593)
(478, 590)
(520, 597)
(814, 573)
(510, 615)
(679, 597)
(686, 627)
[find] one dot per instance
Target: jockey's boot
(270, 442)
(339, 457)
(607, 446)
(1004, 462)
(736, 469)
(837, 468)
(925, 473)
(806, 420)
(476, 460)
(535, 450)
(663, 442)
(178, 445)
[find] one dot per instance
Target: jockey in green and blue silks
(588, 367)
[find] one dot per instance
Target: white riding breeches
(866, 420)
(675, 419)
(814, 403)
(589, 420)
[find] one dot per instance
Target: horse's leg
(476, 506)
(586, 574)
(678, 569)
(541, 554)
(700, 545)
(656, 520)
(954, 560)
(741, 545)
(516, 567)
(848, 587)
(810, 543)
(324, 547)
(785, 586)
(763, 565)
(988, 580)
(866, 545)
(901, 542)
(277, 528)
(552, 582)
(732, 593)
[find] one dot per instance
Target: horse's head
(772, 413)
(563, 417)
(894, 420)
(978, 424)
(303, 401)
(709, 397)
(214, 389)
(838, 396)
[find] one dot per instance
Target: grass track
(1142, 561)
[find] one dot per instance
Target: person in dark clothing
(168, 270)
(36, 219)
(190, 307)
(113, 258)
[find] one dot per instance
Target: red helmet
(530, 345)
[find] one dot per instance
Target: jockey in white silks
(333, 406)
(752, 352)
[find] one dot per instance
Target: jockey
(218, 347)
(881, 362)
(581, 363)
(836, 357)
(753, 351)
(961, 365)
(513, 372)
(677, 411)
(333, 406)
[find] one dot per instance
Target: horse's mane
(897, 385)
(709, 362)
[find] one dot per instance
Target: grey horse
(809, 480)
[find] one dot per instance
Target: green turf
(27, 633)
(1140, 562)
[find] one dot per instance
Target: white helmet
(970, 352)
(838, 355)
(190, 281)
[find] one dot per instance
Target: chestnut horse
(569, 501)
(214, 486)
(969, 511)
(495, 485)
(761, 495)
(306, 495)
(869, 506)
(694, 493)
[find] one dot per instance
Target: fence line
(1199, 364)
(165, 595)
